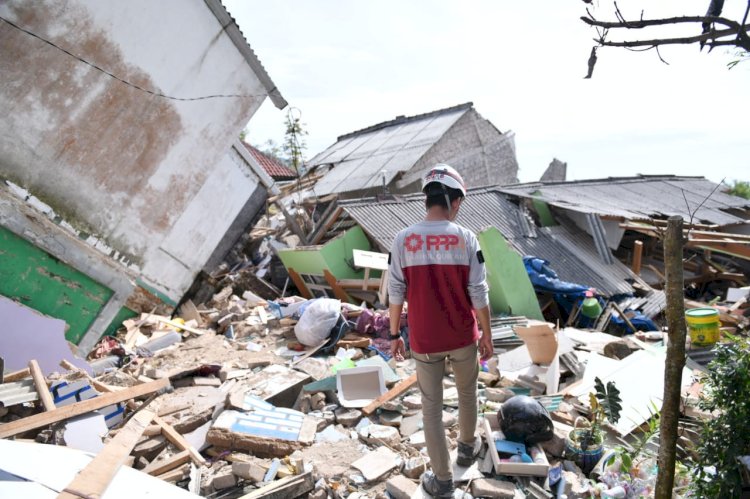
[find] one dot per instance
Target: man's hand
(398, 349)
(486, 349)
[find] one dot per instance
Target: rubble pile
(225, 400)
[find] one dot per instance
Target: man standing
(437, 267)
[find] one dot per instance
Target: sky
(346, 65)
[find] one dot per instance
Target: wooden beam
(338, 291)
(160, 467)
(179, 441)
(299, 283)
(291, 486)
(17, 375)
(637, 257)
(41, 386)
(62, 413)
(391, 394)
(327, 226)
(93, 480)
(179, 326)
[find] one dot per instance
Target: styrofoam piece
(85, 432)
(358, 386)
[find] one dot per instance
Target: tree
(294, 140)
(715, 31)
(740, 188)
(670, 410)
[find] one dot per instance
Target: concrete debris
(487, 487)
(377, 463)
(400, 487)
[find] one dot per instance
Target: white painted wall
(149, 176)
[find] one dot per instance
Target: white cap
(446, 175)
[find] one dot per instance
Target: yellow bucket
(703, 325)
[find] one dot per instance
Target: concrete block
(347, 417)
(401, 487)
(377, 463)
(388, 418)
(488, 487)
(411, 425)
(224, 480)
(376, 434)
(413, 402)
(415, 466)
(249, 471)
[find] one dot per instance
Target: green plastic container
(703, 325)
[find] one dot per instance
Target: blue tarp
(545, 279)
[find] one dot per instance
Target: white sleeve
(477, 288)
(396, 282)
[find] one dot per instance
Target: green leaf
(627, 461)
(609, 399)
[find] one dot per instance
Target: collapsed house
(122, 173)
(394, 155)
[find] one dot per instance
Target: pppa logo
(445, 242)
(413, 243)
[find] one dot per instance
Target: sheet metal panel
(640, 198)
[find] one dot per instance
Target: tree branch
(710, 36)
(645, 23)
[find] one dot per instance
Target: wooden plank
(179, 326)
(179, 441)
(391, 394)
(69, 411)
(176, 475)
(637, 257)
(338, 291)
(299, 283)
(291, 486)
(41, 386)
(16, 375)
(160, 467)
(93, 480)
(327, 226)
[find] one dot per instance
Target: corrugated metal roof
(639, 198)
(569, 250)
(362, 159)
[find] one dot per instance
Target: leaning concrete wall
(150, 176)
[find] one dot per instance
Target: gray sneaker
(437, 488)
(467, 453)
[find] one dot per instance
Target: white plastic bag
(317, 321)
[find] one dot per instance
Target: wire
(152, 92)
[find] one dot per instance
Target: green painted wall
(333, 256)
(35, 278)
(124, 314)
(511, 291)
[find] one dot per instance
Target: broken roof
(276, 169)
(642, 197)
(570, 251)
(363, 159)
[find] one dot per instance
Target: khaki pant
(430, 372)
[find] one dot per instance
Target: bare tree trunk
(675, 361)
